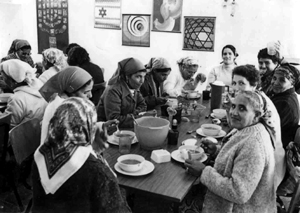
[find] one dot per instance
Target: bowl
(210, 129)
(131, 162)
(151, 132)
(219, 113)
(191, 152)
(4, 97)
(122, 133)
(193, 94)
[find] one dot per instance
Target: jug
(217, 88)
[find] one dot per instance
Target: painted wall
(254, 24)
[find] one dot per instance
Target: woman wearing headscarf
(67, 175)
(286, 101)
(122, 99)
(78, 56)
(152, 88)
(54, 61)
(223, 72)
(26, 103)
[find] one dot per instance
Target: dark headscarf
(127, 67)
(21, 43)
(290, 72)
(67, 80)
(158, 64)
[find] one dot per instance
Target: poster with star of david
(199, 33)
(108, 14)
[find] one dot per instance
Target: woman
(159, 69)
(242, 179)
(53, 61)
(286, 101)
(59, 176)
(223, 72)
(246, 78)
(26, 103)
(78, 56)
(122, 99)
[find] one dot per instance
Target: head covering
(157, 63)
(188, 61)
(56, 57)
(290, 72)
(68, 144)
(12, 48)
(127, 67)
(19, 71)
(68, 80)
(21, 43)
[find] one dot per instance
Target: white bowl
(210, 129)
(191, 152)
(193, 94)
(119, 134)
(131, 162)
(219, 113)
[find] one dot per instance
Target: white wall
(255, 23)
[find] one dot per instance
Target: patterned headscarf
(289, 72)
(68, 145)
(188, 61)
(127, 67)
(56, 57)
(157, 63)
(21, 43)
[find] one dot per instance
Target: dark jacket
(117, 102)
(93, 188)
(287, 106)
(148, 92)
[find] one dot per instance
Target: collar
(287, 92)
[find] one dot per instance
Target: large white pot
(151, 132)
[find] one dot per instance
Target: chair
(295, 199)
(6, 164)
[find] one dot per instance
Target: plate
(177, 156)
(189, 142)
(221, 134)
(212, 115)
(111, 140)
(148, 167)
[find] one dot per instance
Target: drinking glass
(125, 144)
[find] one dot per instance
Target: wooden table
(168, 180)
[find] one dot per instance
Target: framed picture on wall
(108, 14)
(136, 30)
(167, 16)
(199, 33)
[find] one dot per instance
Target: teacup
(191, 152)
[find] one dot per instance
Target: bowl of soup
(193, 94)
(123, 133)
(131, 162)
(191, 152)
(219, 113)
(210, 129)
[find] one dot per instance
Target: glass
(125, 142)
(271, 48)
(195, 114)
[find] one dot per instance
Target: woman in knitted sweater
(242, 179)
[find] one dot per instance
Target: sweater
(242, 179)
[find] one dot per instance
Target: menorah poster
(52, 24)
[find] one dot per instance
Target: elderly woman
(181, 80)
(159, 69)
(78, 56)
(223, 72)
(26, 103)
(242, 179)
(122, 99)
(54, 61)
(286, 101)
(67, 175)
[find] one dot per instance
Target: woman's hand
(111, 126)
(161, 100)
(194, 167)
(208, 146)
(200, 78)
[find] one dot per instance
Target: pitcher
(217, 88)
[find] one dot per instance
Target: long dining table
(168, 180)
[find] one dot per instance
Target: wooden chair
(294, 204)
(6, 164)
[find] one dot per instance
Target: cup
(125, 143)
(205, 94)
(217, 89)
(195, 114)
(271, 48)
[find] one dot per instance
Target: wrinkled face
(85, 92)
(266, 64)
(280, 83)
(160, 77)
(136, 80)
(24, 54)
(241, 113)
(240, 83)
(228, 56)
(188, 72)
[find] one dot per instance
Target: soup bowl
(193, 94)
(122, 133)
(191, 152)
(131, 162)
(219, 113)
(210, 129)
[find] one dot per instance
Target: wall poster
(136, 30)
(199, 33)
(167, 15)
(52, 24)
(108, 14)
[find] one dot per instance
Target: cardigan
(242, 179)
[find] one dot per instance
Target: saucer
(177, 156)
(221, 134)
(111, 140)
(148, 167)
(189, 142)
(212, 115)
